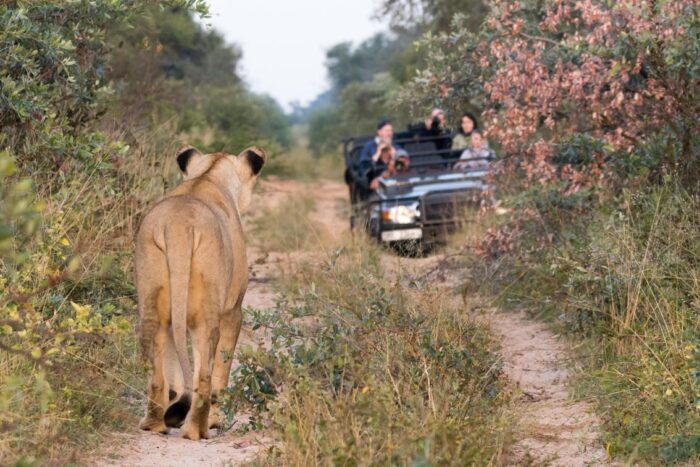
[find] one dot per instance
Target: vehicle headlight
(401, 214)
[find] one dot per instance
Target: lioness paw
(154, 425)
(193, 432)
(215, 417)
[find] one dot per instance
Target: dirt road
(551, 428)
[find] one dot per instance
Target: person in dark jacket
(384, 137)
(371, 161)
(434, 128)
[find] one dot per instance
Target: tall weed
(362, 371)
(68, 358)
(626, 282)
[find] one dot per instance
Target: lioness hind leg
(196, 424)
(157, 387)
(230, 329)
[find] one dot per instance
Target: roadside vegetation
(287, 226)
(622, 284)
(301, 163)
(82, 154)
(593, 108)
(363, 370)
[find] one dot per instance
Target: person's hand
(380, 148)
(429, 122)
(374, 184)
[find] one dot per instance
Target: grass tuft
(362, 370)
(624, 281)
(69, 363)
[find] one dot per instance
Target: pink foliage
(535, 98)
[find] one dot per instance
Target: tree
(191, 75)
(363, 81)
(377, 54)
(432, 15)
(580, 93)
(53, 62)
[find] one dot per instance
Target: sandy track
(551, 428)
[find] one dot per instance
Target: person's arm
(378, 152)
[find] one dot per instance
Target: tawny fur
(191, 275)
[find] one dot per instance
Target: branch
(539, 38)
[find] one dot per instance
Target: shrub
(624, 281)
(67, 311)
(361, 370)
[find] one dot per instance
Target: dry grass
(363, 371)
(300, 164)
(623, 283)
(77, 307)
(288, 226)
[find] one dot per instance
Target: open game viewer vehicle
(418, 207)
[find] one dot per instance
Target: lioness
(192, 273)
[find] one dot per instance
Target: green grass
(70, 369)
(364, 371)
(624, 284)
(299, 163)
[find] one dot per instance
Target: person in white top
(477, 156)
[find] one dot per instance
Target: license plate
(406, 234)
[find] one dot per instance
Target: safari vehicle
(419, 205)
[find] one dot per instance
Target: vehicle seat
(420, 147)
(428, 160)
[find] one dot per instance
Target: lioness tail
(179, 245)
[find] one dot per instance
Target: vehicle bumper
(429, 232)
(397, 235)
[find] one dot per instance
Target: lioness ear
(186, 156)
(255, 158)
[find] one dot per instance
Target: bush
(625, 281)
(67, 339)
(361, 370)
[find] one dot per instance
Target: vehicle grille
(449, 207)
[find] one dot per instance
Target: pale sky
(284, 41)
